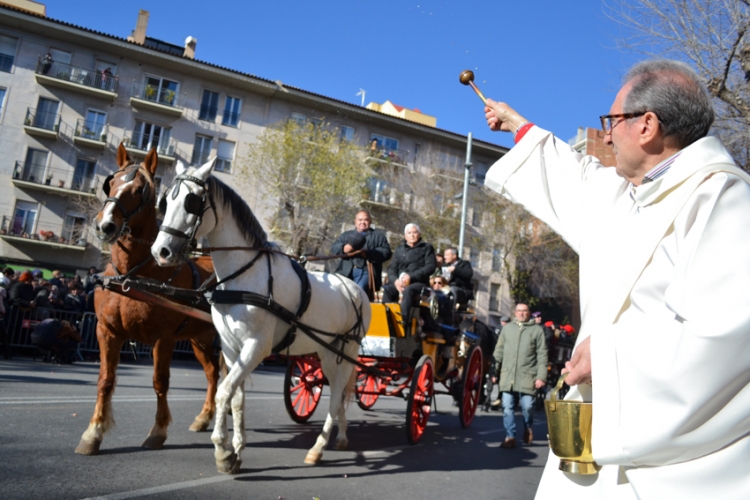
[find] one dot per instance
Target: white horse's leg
(238, 421)
(220, 436)
(338, 376)
(227, 457)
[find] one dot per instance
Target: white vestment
(665, 297)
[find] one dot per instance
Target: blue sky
(554, 62)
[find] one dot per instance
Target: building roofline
(262, 85)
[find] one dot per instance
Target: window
(161, 90)
(497, 260)
(480, 172)
(24, 218)
(34, 166)
(46, 114)
(476, 217)
(387, 143)
(474, 257)
(209, 106)
(61, 64)
(231, 111)
(225, 156)
(93, 127)
(347, 133)
(495, 297)
(3, 91)
(74, 229)
(300, 119)
(202, 150)
(147, 135)
(83, 175)
(7, 52)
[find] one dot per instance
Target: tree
(312, 177)
(713, 36)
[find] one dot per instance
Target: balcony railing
(102, 80)
(42, 119)
(389, 156)
(230, 119)
(57, 178)
(155, 94)
(55, 234)
(6, 63)
(91, 130)
(380, 192)
(143, 142)
(208, 112)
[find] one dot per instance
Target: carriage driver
(376, 250)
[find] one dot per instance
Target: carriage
(405, 362)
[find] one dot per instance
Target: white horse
(198, 205)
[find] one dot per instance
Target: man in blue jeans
(521, 354)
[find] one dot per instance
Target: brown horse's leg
(103, 419)
(204, 351)
(162, 356)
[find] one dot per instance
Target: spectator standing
(47, 63)
(90, 279)
(521, 354)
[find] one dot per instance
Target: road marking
(116, 399)
(166, 488)
(392, 449)
(490, 432)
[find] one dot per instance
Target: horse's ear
(206, 168)
(151, 161)
(180, 168)
(123, 159)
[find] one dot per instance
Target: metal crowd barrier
(19, 324)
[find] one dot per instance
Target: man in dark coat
(460, 276)
(377, 251)
(410, 270)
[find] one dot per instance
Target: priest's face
(624, 140)
(522, 313)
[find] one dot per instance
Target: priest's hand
(579, 366)
(502, 117)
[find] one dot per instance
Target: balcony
(83, 80)
(54, 180)
(141, 144)
(385, 156)
(151, 98)
(379, 194)
(41, 123)
(91, 134)
(16, 229)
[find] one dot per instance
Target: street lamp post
(464, 202)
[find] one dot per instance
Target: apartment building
(70, 95)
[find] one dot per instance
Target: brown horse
(129, 218)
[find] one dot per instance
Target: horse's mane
(244, 218)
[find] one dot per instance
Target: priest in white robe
(664, 245)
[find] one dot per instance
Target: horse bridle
(194, 204)
(130, 172)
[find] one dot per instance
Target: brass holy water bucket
(569, 436)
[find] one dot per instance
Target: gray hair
(673, 91)
(411, 224)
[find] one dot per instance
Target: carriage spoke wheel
(368, 387)
(420, 399)
(303, 385)
(472, 386)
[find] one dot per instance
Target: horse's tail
(350, 394)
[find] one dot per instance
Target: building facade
(69, 96)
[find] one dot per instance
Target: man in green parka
(521, 352)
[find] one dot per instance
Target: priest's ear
(651, 134)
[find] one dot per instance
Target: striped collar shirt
(660, 169)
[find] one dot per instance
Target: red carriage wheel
(420, 399)
(303, 385)
(472, 386)
(368, 388)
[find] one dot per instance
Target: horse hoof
(86, 448)
(313, 457)
(342, 444)
(199, 426)
(229, 466)
(154, 442)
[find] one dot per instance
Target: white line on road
(115, 399)
(490, 432)
(166, 488)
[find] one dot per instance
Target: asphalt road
(45, 408)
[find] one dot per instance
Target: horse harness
(130, 172)
(194, 205)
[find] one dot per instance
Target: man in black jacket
(377, 251)
(410, 270)
(460, 276)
